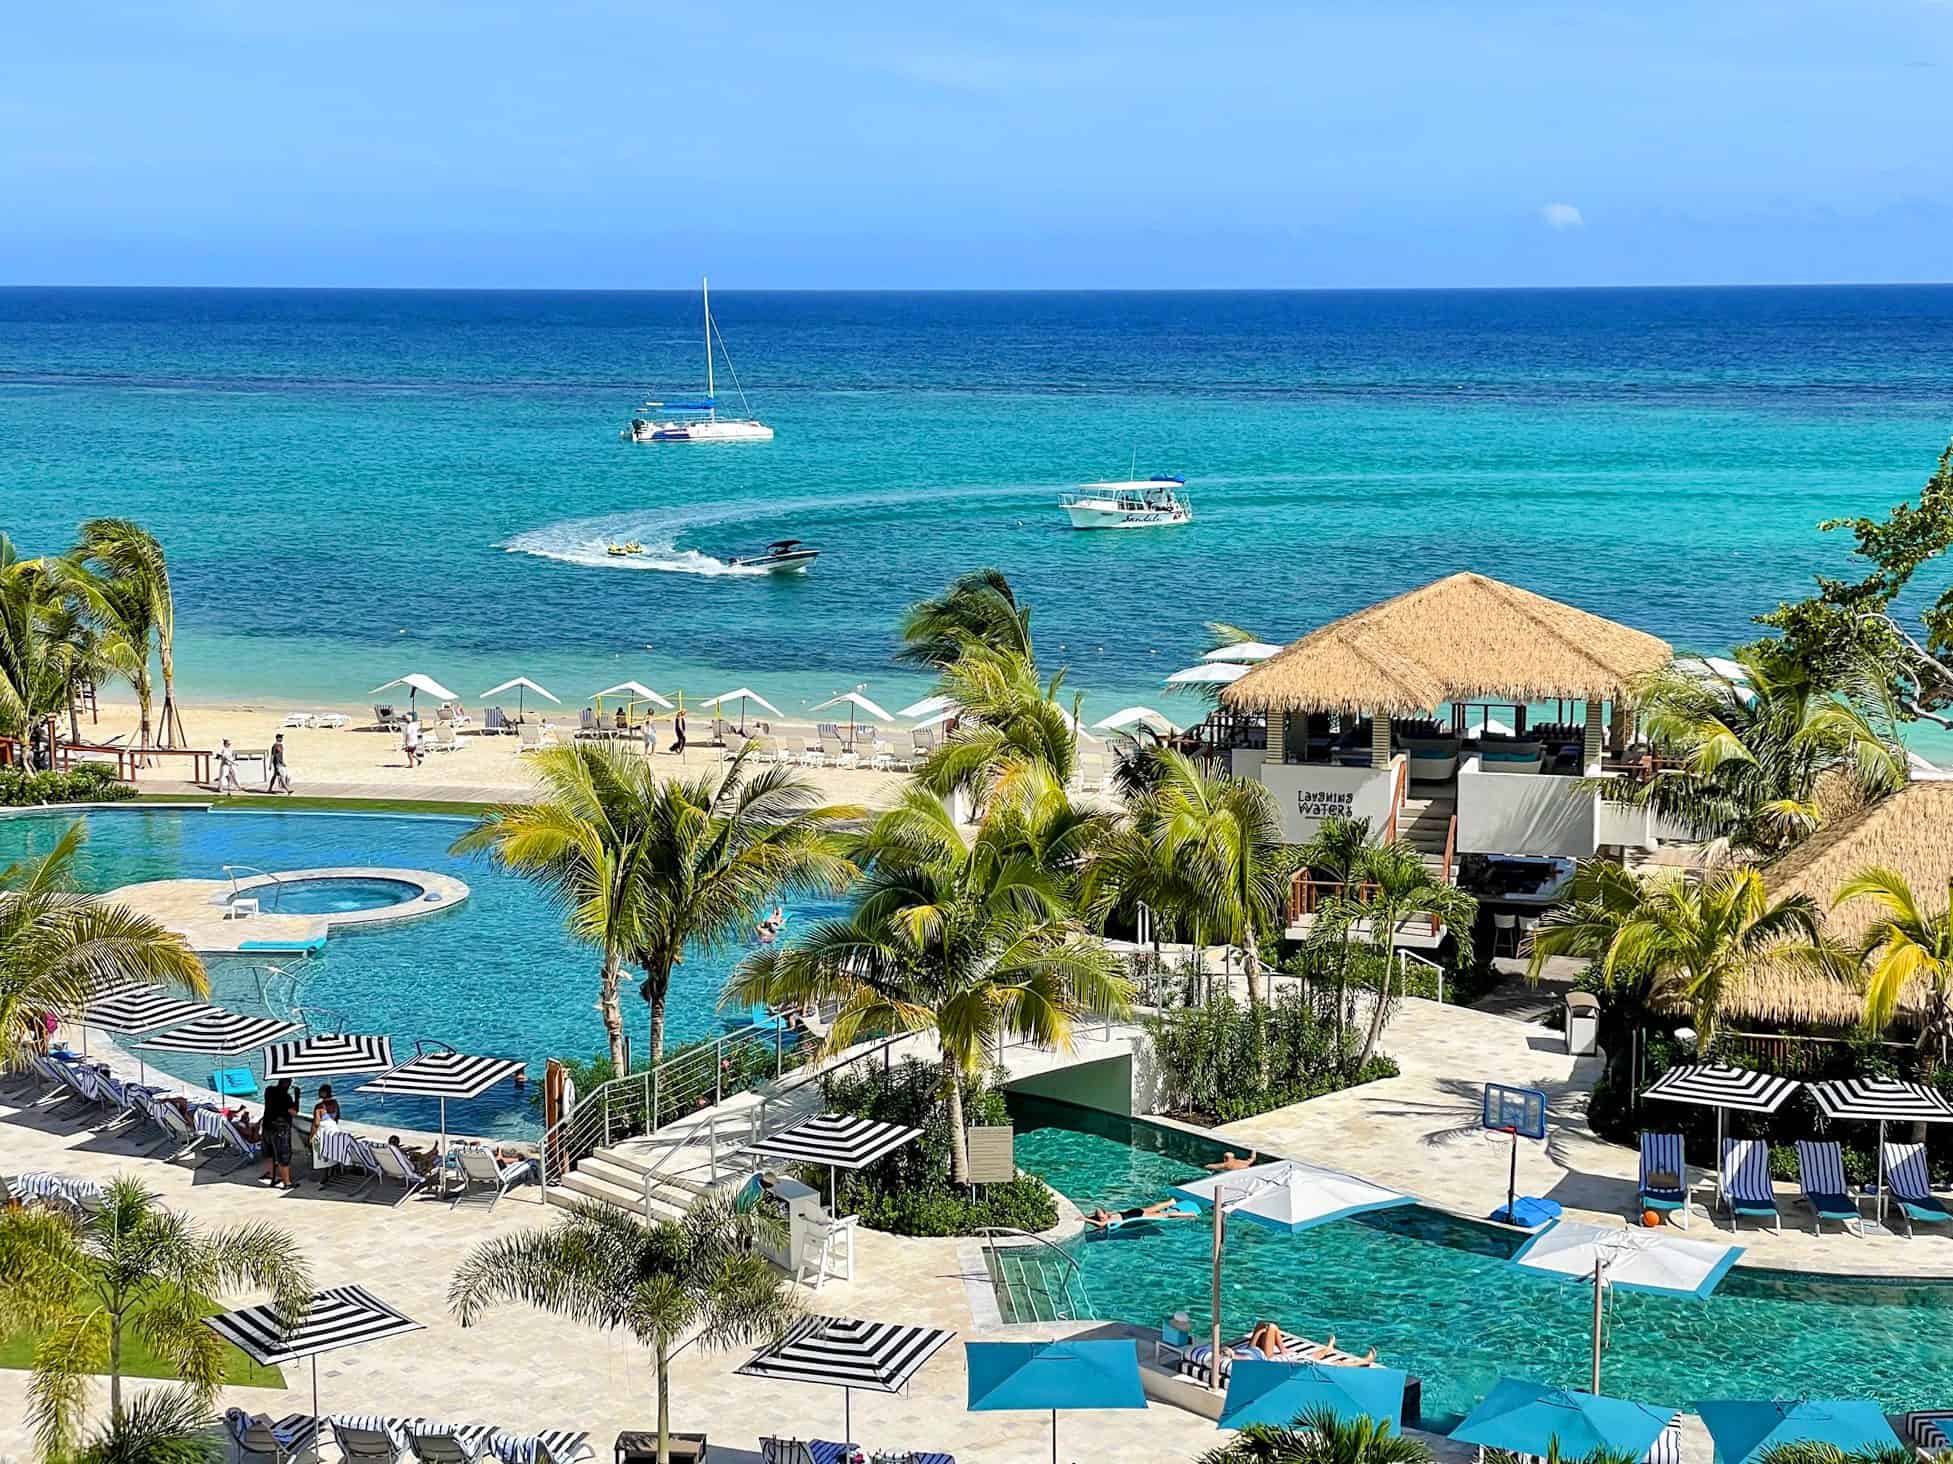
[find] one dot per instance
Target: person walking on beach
(650, 735)
(227, 768)
(678, 732)
(277, 778)
(410, 741)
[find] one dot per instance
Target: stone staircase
(1425, 824)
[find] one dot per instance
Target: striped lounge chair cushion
(1194, 1363)
(1931, 1429)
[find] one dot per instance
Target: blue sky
(1359, 143)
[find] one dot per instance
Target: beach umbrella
(636, 690)
(1722, 1088)
(1884, 1100)
(1022, 1376)
(1260, 1390)
(223, 1034)
(1530, 1418)
(937, 718)
(855, 701)
(1635, 1260)
(1244, 653)
(416, 682)
(137, 1009)
(742, 695)
(444, 1075)
(836, 1140)
(340, 1316)
(1208, 673)
(522, 684)
(927, 707)
(327, 1055)
(1136, 717)
(848, 1353)
(1745, 1428)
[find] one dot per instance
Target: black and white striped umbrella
(835, 1140)
(1881, 1099)
(327, 1055)
(224, 1033)
(846, 1352)
(142, 1009)
(1715, 1086)
(444, 1075)
(340, 1316)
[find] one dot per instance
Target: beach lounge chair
(834, 747)
(367, 1440)
(811, 753)
(1929, 1431)
(255, 1439)
(179, 1138)
(385, 717)
(480, 1173)
(881, 756)
(242, 1150)
(533, 736)
(1194, 1362)
(1664, 1183)
(394, 1164)
(442, 739)
(440, 1444)
(74, 1082)
(1745, 1182)
(922, 742)
(1905, 1177)
(332, 721)
(297, 719)
(1821, 1176)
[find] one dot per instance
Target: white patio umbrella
(522, 684)
(1208, 673)
(855, 701)
(927, 707)
(936, 719)
(1136, 717)
(1244, 653)
(416, 682)
(636, 690)
(742, 695)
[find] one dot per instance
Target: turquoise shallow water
(1439, 1297)
(354, 484)
(495, 975)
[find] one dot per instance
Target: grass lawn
(138, 1361)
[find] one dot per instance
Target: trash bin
(1582, 1023)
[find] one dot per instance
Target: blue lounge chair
(1821, 1176)
(1905, 1177)
(1745, 1182)
(1664, 1183)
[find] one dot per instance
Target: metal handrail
(1078, 1305)
(277, 884)
(1403, 956)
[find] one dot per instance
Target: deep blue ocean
(354, 484)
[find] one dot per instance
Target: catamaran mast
(705, 289)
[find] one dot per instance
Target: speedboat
(782, 556)
(1134, 504)
(699, 421)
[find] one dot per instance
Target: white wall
(1524, 813)
(1309, 794)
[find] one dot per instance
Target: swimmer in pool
(1163, 1210)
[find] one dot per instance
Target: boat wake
(587, 542)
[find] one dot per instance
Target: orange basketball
(1650, 1219)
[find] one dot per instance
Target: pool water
(336, 895)
(1439, 1297)
(495, 974)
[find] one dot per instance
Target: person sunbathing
(1103, 1218)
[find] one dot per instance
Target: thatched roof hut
(1462, 638)
(1911, 832)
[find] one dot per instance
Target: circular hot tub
(333, 894)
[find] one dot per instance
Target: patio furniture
(1176, 1336)
(444, 1445)
(1745, 1182)
(1821, 1176)
(827, 1242)
(1905, 1178)
(481, 1172)
(394, 1164)
(366, 1442)
(255, 1439)
(1664, 1183)
(639, 1446)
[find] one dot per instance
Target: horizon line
(1001, 289)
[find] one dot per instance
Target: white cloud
(1561, 216)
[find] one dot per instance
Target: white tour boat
(699, 421)
(1135, 504)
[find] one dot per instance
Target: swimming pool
(1439, 1297)
(495, 974)
(332, 894)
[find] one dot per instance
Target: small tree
(1320, 1436)
(696, 1279)
(163, 1426)
(1906, 945)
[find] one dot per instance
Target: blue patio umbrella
(1262, 1391)
(1527, 1418)
(1020, 1376)
(1744, 1428)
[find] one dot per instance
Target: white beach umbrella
(947, 714)
(854, 701)
(1290, 1195)
(636, 690)
(927, 707)
(1078, 728)
(1244, 653)
(522, 684)
(1637, 1260)
(742, 695)
(1136, 717)
(1208, 673)
(415, 682)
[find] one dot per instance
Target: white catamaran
(699, 421)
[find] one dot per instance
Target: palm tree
(695, 1279)
(132, 1270)
(59, 947)
(1809, 1452)
(978, 608)
(648, 867)
(1906, 945)
(973, 939)
(1761, 760)
(162, 1426)
(131, 566)
(1320, 1436)
(1014, 743)
(1685, 943)
(33, 668)
(1388, 886)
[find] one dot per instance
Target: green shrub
(83, 783)
(1210, 1056)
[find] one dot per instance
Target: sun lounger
(1821, 1176)
(811, 753)
(394, 1164)
(532, 736)
(551, 1446)
(1195, 1362)
(1905, 1177)
(480, 1172)
(255, 1439)
(440, 1445)
(297, 719)
(366, 1439)
(385, 717)
(1929, 1431)
(442, 739)
(242, 1150)
(1745, 1182)
(74, 1081)
(1664, 1184)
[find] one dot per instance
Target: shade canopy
(937, 718)
(1207, 673)
(846, 1352)
(1745, 1428)
(142, 1009)
(836, 1140)
(1715, 1086)
(1260, 1390)
(341, 1316)
(417, 681)
(1245, 653)
(1136, 717)
(1462, 638)
(638, 690)
(742, 695)
(1291, 1195)
(1636, 1260)
(327, 1055)
(859, 702)
(1530, 1418)
(444, 1075)
(927, 707)
(1882, 1100)
(221, 1031)
(1009, 1376)
(526, 684)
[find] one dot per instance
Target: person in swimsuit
(1162, 1210)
